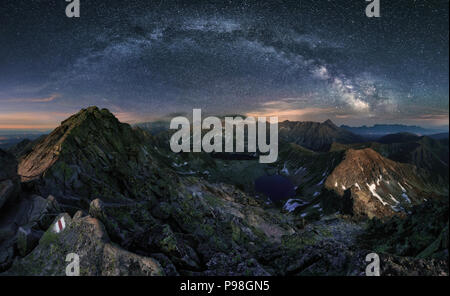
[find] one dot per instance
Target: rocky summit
(118, 198)
(314, 135)
(376, 186)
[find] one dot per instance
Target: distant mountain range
(320, 135)
(10, 139)
(315, 135)
(384, 129)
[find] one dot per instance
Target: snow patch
(197, 194)
(372, 188)
(179, 165)
(379, 179)
(285, 169)
(300, 169)
(403, 188)
(406, 197)
(393, 198)
(397, 208)
(292, 204)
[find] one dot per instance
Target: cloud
(432, 119)
(31, 120)
(290, 109)
(425, 116)
(31, 100)
(44, 100)
(294, 114)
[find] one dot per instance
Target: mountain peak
(91, 129)
(92, 113)
(380, 186)
(329, 122)
(315, 135)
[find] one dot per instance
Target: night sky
(152, 59)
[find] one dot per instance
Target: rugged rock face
(94, 163)
(194, 226)
(360, 182)
(314, 135)
(307, 169)
(323, 248)
(377, 186)
(9, 180)
(426, 153)
(22, 224)
(86, 237)
(92, 155)
(422, 234)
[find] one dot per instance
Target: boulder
(27, 240)
(86, 237)
(22, 224)
(9, 180)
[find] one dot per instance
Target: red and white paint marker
(59, 225)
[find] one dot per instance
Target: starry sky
(154, 59)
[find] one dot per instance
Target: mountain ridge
(100, 173)
(315, 135)
(379, 187)
(384, 129)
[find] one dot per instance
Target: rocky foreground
(129, 211)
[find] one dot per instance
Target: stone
(86, 237)
(9, 180)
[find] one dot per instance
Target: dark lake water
(276, 187)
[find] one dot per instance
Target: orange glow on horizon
(32, 120)
(27, 127)
(293, 114)
(50, 120)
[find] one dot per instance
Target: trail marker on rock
(59, 225)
